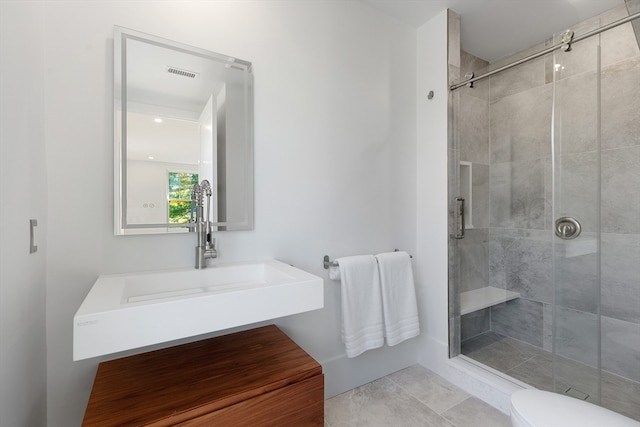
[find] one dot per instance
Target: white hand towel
(334, 272)
(398, 297)
(362, 322)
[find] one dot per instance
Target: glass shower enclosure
(544, 185)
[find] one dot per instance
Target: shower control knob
(567, 228)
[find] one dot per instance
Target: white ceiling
(493, 29)
(171, 141)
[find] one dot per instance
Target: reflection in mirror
(182, 114)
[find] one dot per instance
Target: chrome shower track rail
(545, 51)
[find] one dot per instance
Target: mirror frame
(121, 35)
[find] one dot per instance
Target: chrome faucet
(206, 244)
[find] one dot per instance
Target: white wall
(335, 169)
(432, 236)
(23, 197)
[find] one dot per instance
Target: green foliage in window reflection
(180, 188)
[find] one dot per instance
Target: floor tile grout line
(520, 364)
(418, 399)
(425, 404)
(445, 420)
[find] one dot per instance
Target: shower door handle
(459, 218)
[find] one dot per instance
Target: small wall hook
(430, 95)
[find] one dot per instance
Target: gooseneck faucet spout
(206, 244)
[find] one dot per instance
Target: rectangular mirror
(182, 114)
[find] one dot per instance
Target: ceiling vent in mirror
(181, 72)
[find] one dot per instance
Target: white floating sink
(126, 311)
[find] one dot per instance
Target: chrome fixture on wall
(206, 244)
(567, 228)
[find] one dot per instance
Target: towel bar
(326, 261)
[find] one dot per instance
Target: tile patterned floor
(414, 396)
(533, 366)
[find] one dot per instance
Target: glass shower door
(573, 169)
(545, 279)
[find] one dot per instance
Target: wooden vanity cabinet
(258, 377)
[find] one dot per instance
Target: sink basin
(126, 311)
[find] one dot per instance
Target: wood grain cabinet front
(258, 377)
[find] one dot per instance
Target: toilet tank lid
(544, 408)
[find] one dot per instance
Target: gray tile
(547, 327)
(517, 194)
(521, 126)
(480, 342)
(621, 276)
(539, 372)
(577, 281)
(520, 319)
(379, 403)
(634, 7)
(453, 111)
(621, 348)
(522, 262)
(619, 43)
(621, 190)
(578, 376)
(473, 128)
(474, 324)
(536, 371)
(473, 252)
(429, 388)
(476, 413)
(621, 104)
(453, 40)
(471, 63)
(480, 203)
(621, 395)
(502, 354)
(576, 335)
(576, 112)
(576, 177)
(518, 79)
(454, 336)
(453, 182)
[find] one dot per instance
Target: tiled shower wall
(504, 128)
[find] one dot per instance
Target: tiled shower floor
(533, 366)
(414, 396)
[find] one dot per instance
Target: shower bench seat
(488, 296)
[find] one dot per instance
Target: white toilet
(537, 408)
